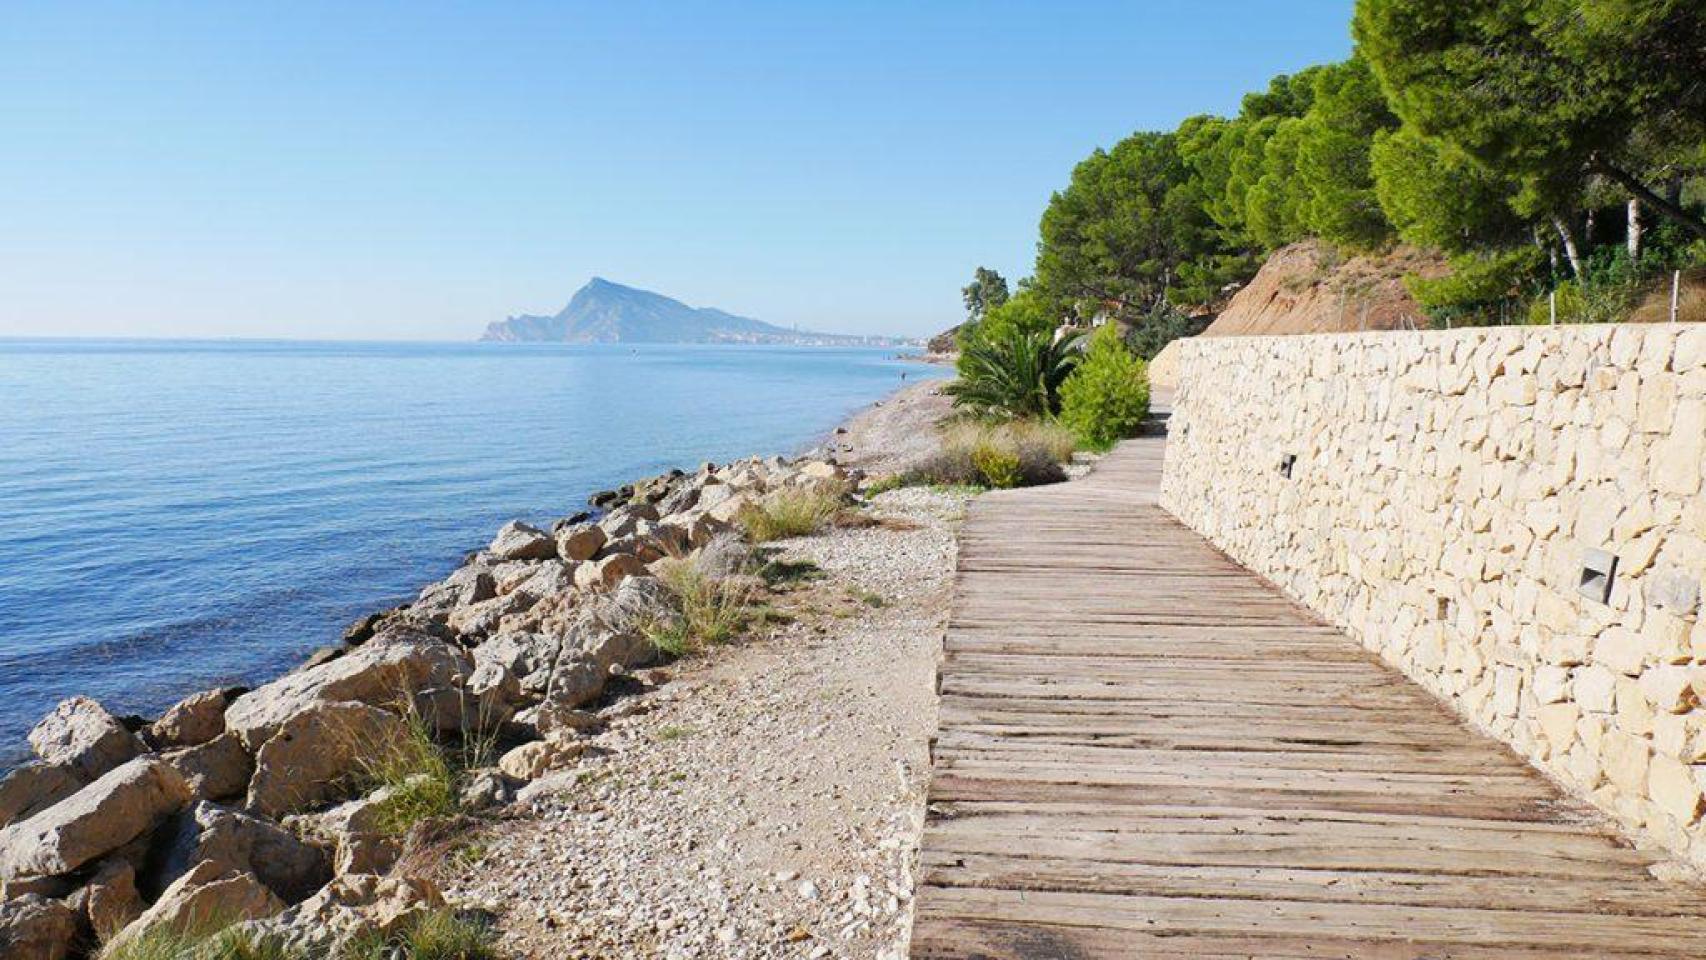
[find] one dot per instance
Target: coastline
(435, 630)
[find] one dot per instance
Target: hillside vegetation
(1509, 149)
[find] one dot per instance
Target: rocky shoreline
(324, 808)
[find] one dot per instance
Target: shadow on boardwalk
(1146, 751)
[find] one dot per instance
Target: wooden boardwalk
(1147, 751)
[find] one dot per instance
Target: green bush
(439, 935)
(1010, 371)
(998, 466)
(416, 773)
(713, 608)
(1107, 397)
(1035, 449)
(796, 512)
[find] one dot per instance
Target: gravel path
(766, 800)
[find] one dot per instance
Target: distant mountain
(605, 312)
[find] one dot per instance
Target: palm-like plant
(1014, 373)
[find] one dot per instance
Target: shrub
(438, 935)
(980, 454)
(416, 773)
(713, 608)
(1013, 372)
(211, 941)
(795, 512)
(998, 465)
(1164, 324)
(1107, 397)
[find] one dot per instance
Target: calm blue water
(176, 515)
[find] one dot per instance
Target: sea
(179, 515)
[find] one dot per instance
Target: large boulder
(579, 542)
(359, 833)
(238, 842)
(470, 584)
(215, 770)
(192, 721)
(33, 927)
(111, 901)
(385, 670)
(33, 787)
(313, 756)
(549, 579)
(531, 761)
(518, 541)
(608, 572)
(101, 817)
(350, 907)
(81, 734)
(208, 897)
(483, 618)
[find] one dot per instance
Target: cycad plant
(1014, 373)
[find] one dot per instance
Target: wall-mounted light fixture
(1599, 571)
(1286, 463)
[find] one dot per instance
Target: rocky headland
(690, 722)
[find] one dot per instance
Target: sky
(378, 171)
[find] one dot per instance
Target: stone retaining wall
(1438, 495)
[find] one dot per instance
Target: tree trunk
(1634, 229)
(1569, 241)
(1587, 233)
(1672, 209)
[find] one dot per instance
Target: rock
(483, 618)
(33, 927)
(733, 507)
(237, 842)
(194, 720)
(313, 755)
(492, 681)
(468, 585)
(101, 817)
(819, 470)
(111, 901)
(579, 543)
(529, 657)
(215, 770)
(209, 896)
(552, 718)
(486, 788)
(33, 787)
(349, 907)
(549, 579)
(458, 710)
(379, 672)
(363, 629)
(518, 541)
(531, 761)
(53, 888)
(83, 735)
(607, 573)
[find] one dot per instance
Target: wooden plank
(1146, 751)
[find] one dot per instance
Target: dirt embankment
(1307, 288)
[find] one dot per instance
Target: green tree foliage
(1333, 164)
(1115, 239)
(987, 290)
(1511, 135)
(1481, 287)
(1107, 397)
(1437, 197)
(1009, 371)
(1548, 92)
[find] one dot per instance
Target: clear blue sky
(415, 170)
